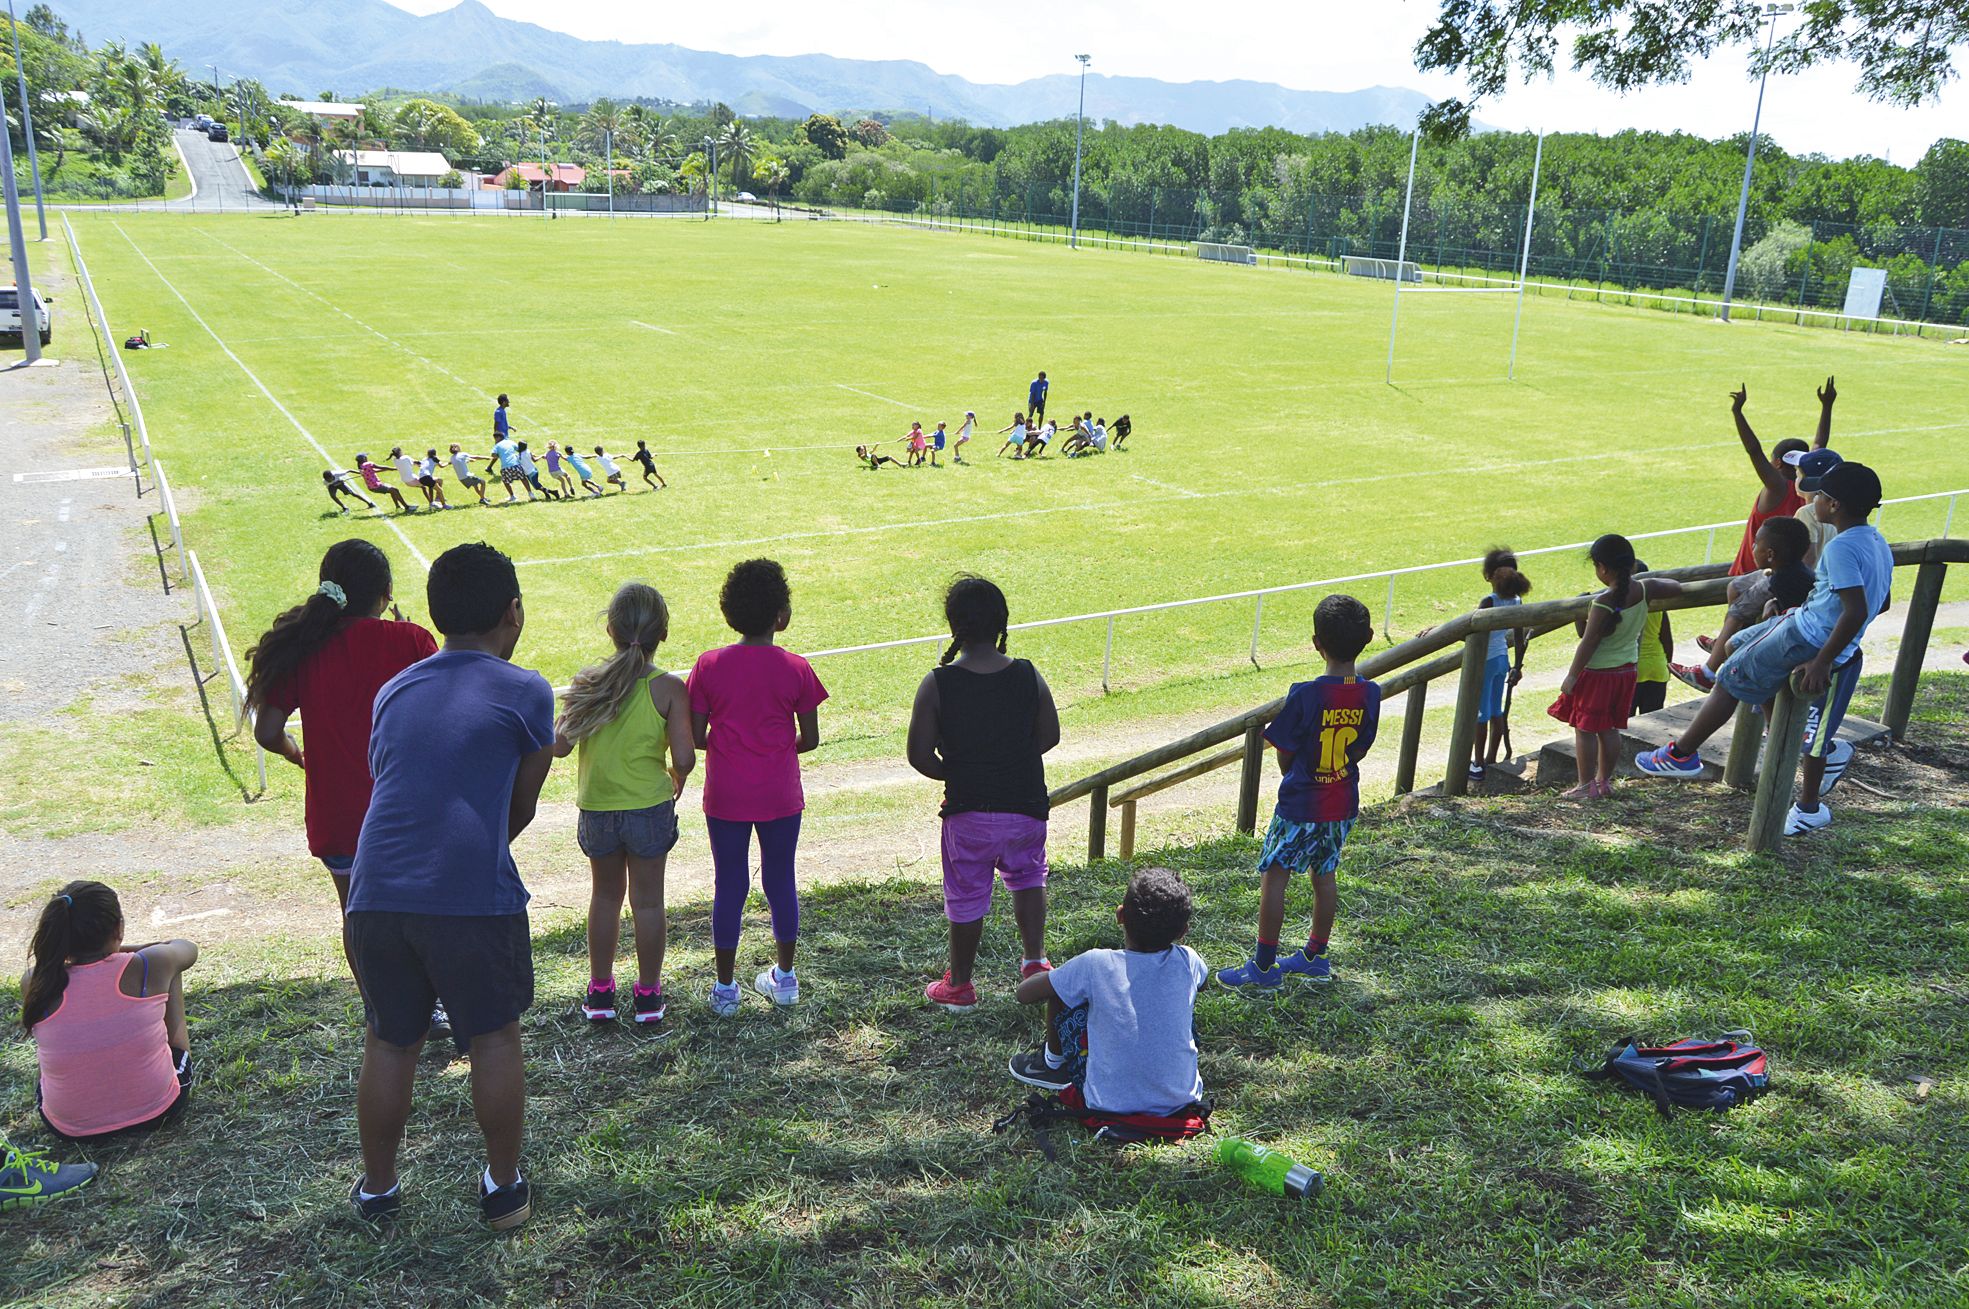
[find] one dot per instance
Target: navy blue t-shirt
(1037, 391)
(446, 746)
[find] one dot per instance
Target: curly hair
(754, 594)
(1156, 907)
(976, 611)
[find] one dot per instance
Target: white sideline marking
(157, 918)
(72, 475)
(273, 400)
(652, 327)
(1182, 491)
(871, 395)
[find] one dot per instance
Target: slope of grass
(840, 1154)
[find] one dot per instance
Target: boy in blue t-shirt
(436, 907)
(1321, 735)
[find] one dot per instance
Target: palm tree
(660, 140)
(602, 125)
(774, 175)
(634, 130)
(736, 144)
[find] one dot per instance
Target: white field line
(272, 399)
(652, 327)
(883, 398)
(1167, 486)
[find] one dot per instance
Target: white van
(10, 316)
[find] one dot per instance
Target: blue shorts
(1826, 713)
(1304, 847)
(1762, 659)
(1497, 671)
(338, 864)
(936, 441)
(645, 833)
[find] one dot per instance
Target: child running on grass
(1508, 588)
(337, 482)
(982, 726)
(557, 472)
(611, 470)
(746, 701)
(651, 478)
(632, 722)
(371, 478)
(108, 1022)
(1014, 434)
(461, 468)
(1597, 696)
(1121, 1024)
(1321, 735)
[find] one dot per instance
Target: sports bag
(1124, 1129)
(1694, 1074)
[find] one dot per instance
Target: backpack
(1694, 1073)
(1122, 1129)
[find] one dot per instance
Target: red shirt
(1790, 505)
(335, 692)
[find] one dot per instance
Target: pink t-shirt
(751, 693)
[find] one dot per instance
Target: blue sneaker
(1664, 762)
(1249, 979)
(1314, 969)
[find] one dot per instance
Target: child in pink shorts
(981, 725)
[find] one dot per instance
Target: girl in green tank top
(631, 722)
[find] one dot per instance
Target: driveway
(219, 178)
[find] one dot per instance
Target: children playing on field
(1597, 696)
(651, 478)
(1121, 1024)
(1505, 658)
(611, 470)
(937, 439)
(1118, 434)
(461, 468)
(531, 472)
(337, 482)
(414, 473)
(755, 709)
(916, 444)
(108, 1020)
(372, 478)
(867, 455)
(964, 434)
(557, 471)
(981, 725)
(632, 724)
(1320, 735)
(1014, 433)
(584, 474)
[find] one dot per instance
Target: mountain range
(304, 47)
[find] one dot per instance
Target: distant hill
(351, 46)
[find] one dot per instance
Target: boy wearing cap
(1820, 641)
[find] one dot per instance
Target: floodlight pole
(1401, 252)
(1524, 260)
(608, 167)
(17, 244)
(1749, 161)
(1079, 129)
(27, 124)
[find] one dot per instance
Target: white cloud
(1323, 45)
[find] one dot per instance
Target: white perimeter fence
(136, 438)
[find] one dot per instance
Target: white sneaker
(1837, 756)
(1798, 821)
(781, 988)
(724, 999)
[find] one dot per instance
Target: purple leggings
(731, 867)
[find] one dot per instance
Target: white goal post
(1226, 254)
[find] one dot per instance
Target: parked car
(218, 132)
(200, 123)
(10, 316)
(748, 197)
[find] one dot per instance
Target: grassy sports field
(754, 356)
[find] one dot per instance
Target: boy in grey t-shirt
(1121, 1024)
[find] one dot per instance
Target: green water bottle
(1267, 1169)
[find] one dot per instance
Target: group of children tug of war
(512, 463)
(436, 933)
(1029, 435)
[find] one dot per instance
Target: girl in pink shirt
(108, 1023)
(746, 702)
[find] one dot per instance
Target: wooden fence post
(1251, 778)
(1914, 646)
(1774, 780)
(1418, 698)
(1740, 768)
(1128, 830)
(1097, 823)
(1463, 727)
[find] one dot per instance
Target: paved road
(221, 179)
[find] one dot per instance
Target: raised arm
(925, 729)
(1827, 394)
(1760, 462)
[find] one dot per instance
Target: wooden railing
(1409, 667)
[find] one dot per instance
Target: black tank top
(991, 761)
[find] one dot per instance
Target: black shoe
(650, 1006)
(440, 1022)
(507, 1207)
(1030, 1068)
(375, 1208)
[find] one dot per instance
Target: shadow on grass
(200, 681)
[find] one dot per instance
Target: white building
(325, 110)
(393, 167)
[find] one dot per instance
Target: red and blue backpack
(1121, 1129)
(1694, 1073)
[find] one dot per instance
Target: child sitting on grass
(1121, 1024)
(108, 1022)
(1321, 735)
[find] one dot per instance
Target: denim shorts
(644, 833)
(1762, 659)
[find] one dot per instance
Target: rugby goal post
(1226, 254)
(1401, 263)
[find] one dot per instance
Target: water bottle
(1267, 1169)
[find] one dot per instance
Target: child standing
(982, 726)
(1508, 588)
(916, 445)
(1121, 1024)
(1657, 648)
(108, 1023)
(461, 468)
(1321, 735)
(964, 434)
(623, 714)
(1118, 434)
(651, 478)
(1597, 696)
(746, 701)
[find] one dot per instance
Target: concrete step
(1558, 766)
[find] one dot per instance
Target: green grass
(840, 1154)
(1268, 448)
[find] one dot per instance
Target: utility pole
(27, 124)
(1079, 127)
(608, 167)
(17, 244)
(1749, 161)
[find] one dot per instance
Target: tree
(721, 113)
(825, 133)
(1941, 184)
(736, 144)
(602, 125)
(774, 175)
(1904, 48)
(870, 133)
(428, 125)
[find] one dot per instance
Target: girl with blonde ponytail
(632, 724)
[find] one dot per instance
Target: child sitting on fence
(982, 726)
(1321, 734)
(1121, 1024)
(108, 1022)
(1597, 696)
(1781, 573)
(1505, 660)
(1819, 641)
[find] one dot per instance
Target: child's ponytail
(82, 918)
(355, 578)
(976, 611)
(639, 620)
(1615, 553)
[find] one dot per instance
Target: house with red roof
(536, 177)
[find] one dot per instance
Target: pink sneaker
(956, 999)
(1036, 966)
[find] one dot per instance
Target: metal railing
(122, 396)
(1410, 666)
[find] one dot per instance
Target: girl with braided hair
(982, 724)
